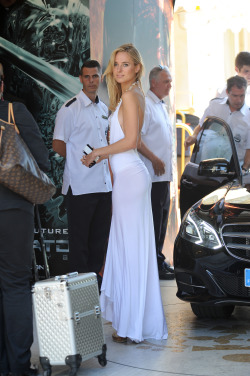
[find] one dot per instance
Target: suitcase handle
(66, 276)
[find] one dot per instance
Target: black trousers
(89, 218)
(16, 323)
(160, 199)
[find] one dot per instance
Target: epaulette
(70, 102)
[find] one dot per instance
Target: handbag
(19, 170)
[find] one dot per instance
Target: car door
(215, 141)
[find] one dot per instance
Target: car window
(214, 142)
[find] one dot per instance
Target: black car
(212, 248)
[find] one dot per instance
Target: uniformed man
(80, 121)
(156, 153)
(233, 110)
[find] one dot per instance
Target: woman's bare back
(138, 98)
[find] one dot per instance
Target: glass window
(213, 143)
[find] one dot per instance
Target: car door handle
(188, 183)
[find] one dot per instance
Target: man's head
(242, 65)
(236, 91)
(90, 77)
(160, 81)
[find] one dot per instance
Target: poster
(43, 44)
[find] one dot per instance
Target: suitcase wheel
(74, 362)
(102, 358)
(46, 366)
(73, 371)
(47, 372)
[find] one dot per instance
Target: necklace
(133, 84)
(130, 87)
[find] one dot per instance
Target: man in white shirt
(233, 110)
(80, 121)
(156, 150)
(242, 67)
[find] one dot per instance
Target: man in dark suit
(16, 243)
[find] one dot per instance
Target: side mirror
(217, 167)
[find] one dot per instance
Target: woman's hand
(87, 160)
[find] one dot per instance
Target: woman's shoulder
(19, 106)
(133, 95)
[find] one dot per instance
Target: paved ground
(194, 347)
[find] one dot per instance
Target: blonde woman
(130, 293)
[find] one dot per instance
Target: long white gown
(130, 292)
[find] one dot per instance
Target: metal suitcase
(68, 320)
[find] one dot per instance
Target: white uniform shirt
(157, 135)
(223, 93)
(239, 122)
(80, 122)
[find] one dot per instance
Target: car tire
(212, 312)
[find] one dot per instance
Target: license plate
(247, 277)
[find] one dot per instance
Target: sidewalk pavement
(195, 347)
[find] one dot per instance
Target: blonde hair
(114, 88)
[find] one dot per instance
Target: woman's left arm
(130, 116)
(31, 135)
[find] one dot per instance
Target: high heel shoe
(118, 339)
